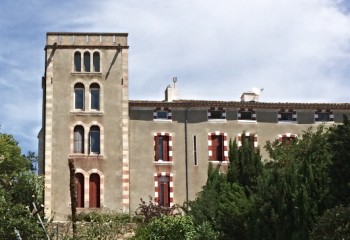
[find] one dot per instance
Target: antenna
(257, 91)
(174, 80)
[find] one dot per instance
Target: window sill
(162, 120)
(87, 73)
(324, 122)
(287, 122)
(88, 112)
(246, 121)
(161, 162)
(217, 120)
(219, 162)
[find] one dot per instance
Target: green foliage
(339, 140)
(175, 228)
(334, 224)
(19, 188)
(101, 225)
(149, 210)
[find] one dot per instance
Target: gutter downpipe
(186, 158)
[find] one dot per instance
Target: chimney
(171, 93)
(251, 96)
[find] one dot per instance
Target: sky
(297, 50)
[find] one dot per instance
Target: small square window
(286, 116)
(323, 117)
(216, 114)
(162, 115)
(247, 115)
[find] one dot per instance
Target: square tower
(85, 118)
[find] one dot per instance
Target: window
(86, 61)
(195, 161)
(78, 139)
(287, 138)
(287, 115)
(247, 138)
(246, 114)
(162, 148)
(164, 191)
(79, 93)
(217, 146)
(77, 61)
(95, 96)
(324, 116)
(95, 139)
(79, 178)
(162, 114)
(96, 61)
(94, 191)
(216, 113)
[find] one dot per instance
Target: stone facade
(145, 148)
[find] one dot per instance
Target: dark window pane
(79, 178)
(323, 117)
(77, 61)
(95, 139)
(95, 99)
(87, 62)
(162, 114)
(96, 61)
(216, 114)
(286, 116)
(246, 115)
(79, 98)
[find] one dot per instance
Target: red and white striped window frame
(171, 187)
(247, 134)
(323, 111)
(170, 147)
(288, 136)
(162, 109)
(224, 142)
(289, 111)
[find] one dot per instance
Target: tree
(19, 188)
(334, 224)
(339, 140)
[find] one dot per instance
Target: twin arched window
(94, 139)
(87, 62)
(79, 96)
(94, 190)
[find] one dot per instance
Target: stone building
(124, 149)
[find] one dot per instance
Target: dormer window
(246, 114)
(216, 114)
(287, 115)
(162, 114)
(324, 116)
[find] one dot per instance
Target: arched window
(77, 61)
(79, 178)
(96, 61)
(94, 191)
(95, 96)
(86, 61)
(78, 139)
(79, 96)
(95, 139)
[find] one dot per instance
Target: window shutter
(94, 191)
(165, 149)
(80, 189)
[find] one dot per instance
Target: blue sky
(297, 50)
